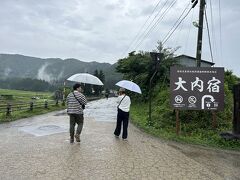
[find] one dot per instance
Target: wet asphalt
(39, 148)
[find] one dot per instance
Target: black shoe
(77, 136)
(116, 136)
(71, 140)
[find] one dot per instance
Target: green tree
(98, 89)
(101, 76)
(230, 79)
(139, 67)
(87, 89)
(27, 84)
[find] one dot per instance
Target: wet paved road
(38, 148)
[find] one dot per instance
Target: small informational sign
(197, 88)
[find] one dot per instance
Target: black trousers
(122, 118)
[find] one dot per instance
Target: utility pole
(200, 33)
(156, 57)
(199, 44)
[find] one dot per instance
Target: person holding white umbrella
(76, 102)
(124, 103)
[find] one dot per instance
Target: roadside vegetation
(42, 102)
(20, 103)
(196, 126)
(19, 95)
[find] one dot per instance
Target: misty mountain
(52, 69)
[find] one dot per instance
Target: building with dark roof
(189, 61)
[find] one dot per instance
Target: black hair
(75, 86)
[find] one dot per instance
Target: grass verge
(208, 138)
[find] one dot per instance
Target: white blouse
(125, 104)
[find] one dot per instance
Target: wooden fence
(8, 108)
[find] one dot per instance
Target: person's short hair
(76, 86)
(122, 90)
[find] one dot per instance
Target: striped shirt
(73, 106)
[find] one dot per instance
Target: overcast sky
(103, 30)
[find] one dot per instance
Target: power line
(145, 32)
(176, 22)
(178, 34)
(213, 29)
(165, 40)
(134, 39)
(220, 24)
(209, 40)
(189, 32)
(155, 24)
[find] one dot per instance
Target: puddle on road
(44, 130)
(193, 154)
(153, 146)
(48, 128)
(101, 110)
(64, 113)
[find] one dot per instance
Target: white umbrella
(85, 78)
(129, 85)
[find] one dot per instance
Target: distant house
(189, 61)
